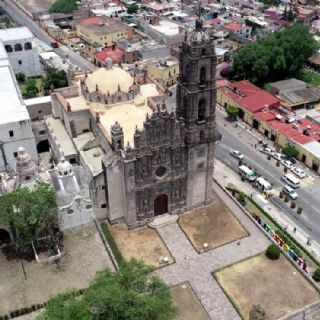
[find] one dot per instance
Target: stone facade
(170, 167)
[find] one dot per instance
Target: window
(20, 62)
(17, 47)
(40, 111)
(160, 172)
(8, 48)
(201, 135)
(11, 133)
(103, 187)
(103, 205)
(15, 154)
(202, 110)
(203, 75)
(41, 132)
(70, 211)
(27, 46)
(203, 52)
(27, 178)
(88, 206)
(66, 173)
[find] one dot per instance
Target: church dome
(109, 81)
(198, 35)
(64, 167)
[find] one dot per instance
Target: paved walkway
(225, 175)
(196, 268)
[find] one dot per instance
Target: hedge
(116, 252)
(289, 237)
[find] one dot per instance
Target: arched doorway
(43, 146)
(4, 236)
(160, 205)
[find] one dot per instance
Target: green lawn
(312, 79)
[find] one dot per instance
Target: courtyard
(189, 307)
(214, 225)
(276, 286)
(143, 244)
(83, 256)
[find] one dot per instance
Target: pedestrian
(255, 146)
(308, 241)
(294, 229)
(285, 227)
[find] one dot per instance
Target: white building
(15, 125)
(22, 53)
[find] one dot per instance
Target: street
(21, 19)
(237, 138)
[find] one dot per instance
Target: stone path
(196, 268)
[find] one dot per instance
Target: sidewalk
(225, 175)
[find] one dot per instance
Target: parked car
(287, 163)
(290, 192)
(237, 154)
(277, 156)
(293, 160)
(266, 150)
(298, 172)
(55, 45)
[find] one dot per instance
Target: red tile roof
(115, 54)
(214, 21)
(249, 96)
(234, 26)
(265, 115)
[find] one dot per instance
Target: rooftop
(13, 108)
(93, 159)
(288, 84)
(249, 96)
(167, 28)
(298, 97)
(234, 26)
(116, 54)
(20, 33)
(313, 147)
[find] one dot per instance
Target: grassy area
(253, 208)
(311, 78)
(112, 243)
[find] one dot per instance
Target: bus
(247, 173)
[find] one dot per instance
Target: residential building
(238, 31)
(104, 31)
(15, 125)
(22, 53)
(113, 53)
(166, 72)
(285, 86)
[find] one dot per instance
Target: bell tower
(196, 99)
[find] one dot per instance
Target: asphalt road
(21, 19)
(308, 195)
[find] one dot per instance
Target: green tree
(276, 56)
(273, 252)
(28, 213)
(131, 293)
(132, 8)
(31, 89)
(64, 6)
(316, 275)
(56, 78)
(21, 77)
(290, 151)
(232, 113)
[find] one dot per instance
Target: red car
(55, 45)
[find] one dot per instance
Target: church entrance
(4, 236)
(160, 205)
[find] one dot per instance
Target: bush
(316, 275)
(242, 198)
(21, 77)
(290, 151)
(273, 252)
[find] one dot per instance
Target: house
(104, 31)
(285, 86)
(113, 53)
(238, 30)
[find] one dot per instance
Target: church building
(140, 161)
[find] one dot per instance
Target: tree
(290, 151)
(130, 293)
(28, 213)
(64, 6)
(316, 275)
(273, 252)
(242, 198)
(257, 313)
(276, 56)
(56, 78)
(31, 89)
(132, 8)
(232, 113)
(21, 77)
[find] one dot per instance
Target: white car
(266, 150)
(277, 156)
(290, 192)
(287, 163)
(298, 172)
(237, 154)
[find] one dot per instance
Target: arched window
(28, 46)
(17, 47)
(203, 76)
(202, 110)
(8, 48)
(203, 52)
